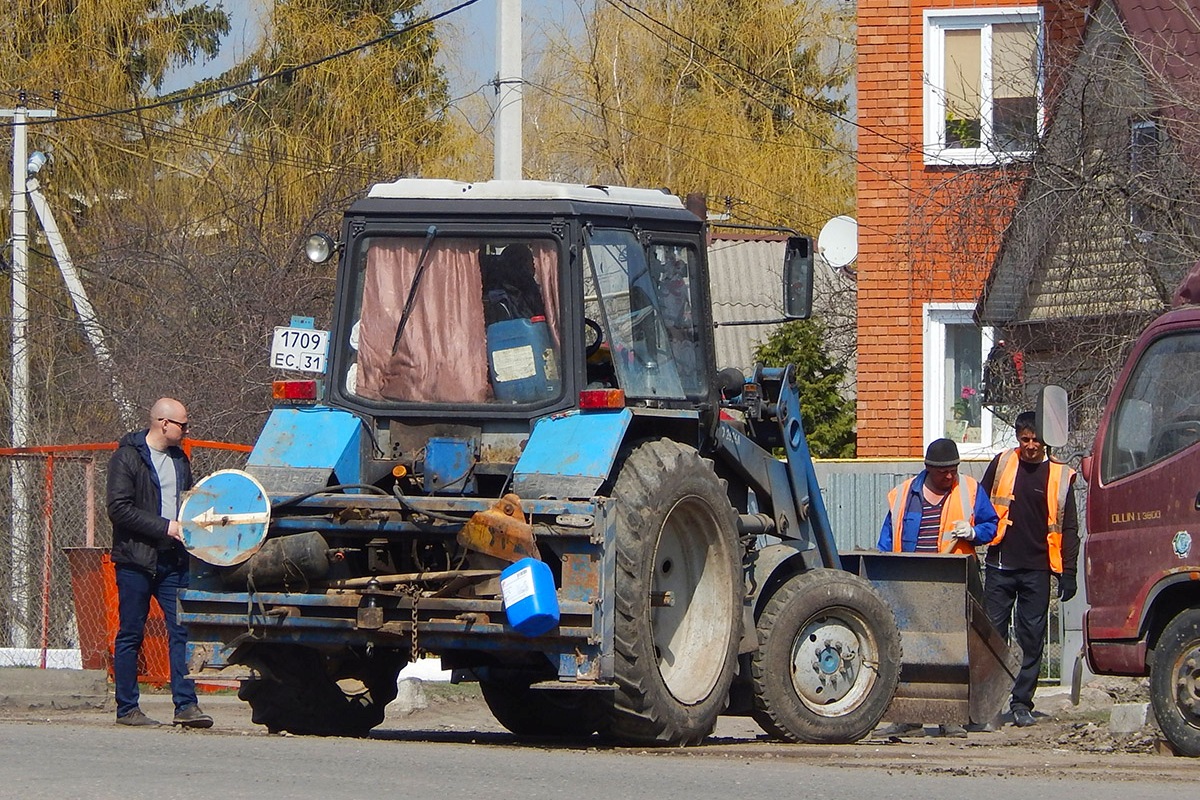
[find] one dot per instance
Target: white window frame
(937, 22)
(937, 316)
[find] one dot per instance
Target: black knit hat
(941, 453)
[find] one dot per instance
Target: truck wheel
(1175, 683)
(565, 713)
(303, 692)
(828, 659)
(678, 596)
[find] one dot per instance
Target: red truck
(1142, 551)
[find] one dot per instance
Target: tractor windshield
(454, 320)
(642, 295)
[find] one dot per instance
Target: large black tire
(1175, 683)
(561, 713)
(299, 691)
(678, 597)
(828, 659)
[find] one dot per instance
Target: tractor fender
(570, 455)
(301, 448)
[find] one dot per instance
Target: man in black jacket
(1037, 536)
(147, 477)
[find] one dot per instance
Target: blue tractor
(520, 457)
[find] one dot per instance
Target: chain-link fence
(57, 586)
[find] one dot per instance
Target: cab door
(1144, 502)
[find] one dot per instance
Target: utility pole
(506, 132)
(21, 530)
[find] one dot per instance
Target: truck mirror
(1052, 416)
(798, 277)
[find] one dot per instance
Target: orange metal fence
(58, 604)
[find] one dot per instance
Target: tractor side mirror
(798, 277)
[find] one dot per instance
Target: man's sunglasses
(183, 426)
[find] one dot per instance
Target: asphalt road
(451, 749)
(78, 761)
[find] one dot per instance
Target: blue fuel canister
(529, 599)
(522, 361)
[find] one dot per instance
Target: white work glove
(963, 530)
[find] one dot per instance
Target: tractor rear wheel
(564, 713)
(828, 659)
(305, 692)
(678, 596)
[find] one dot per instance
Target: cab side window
(1158, 414)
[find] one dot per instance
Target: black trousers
(1028, 592)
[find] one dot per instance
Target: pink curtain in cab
(545, 268)
(442, 355)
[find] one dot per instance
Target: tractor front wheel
(828, 659)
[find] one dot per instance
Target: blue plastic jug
(529, 598)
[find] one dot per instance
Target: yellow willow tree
(337, 95)
(91, 58)
(95, 63)
(743, 100)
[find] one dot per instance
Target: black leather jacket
(135, 502)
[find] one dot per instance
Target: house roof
(1068, 251)
(1166, 35)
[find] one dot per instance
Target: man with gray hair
(147, 476)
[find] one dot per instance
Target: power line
(185, 97)
(628, 10)
(577, 103)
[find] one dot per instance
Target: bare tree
(1083, 242)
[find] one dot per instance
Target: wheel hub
(1187, 685)
(691, 607)
(825, 662)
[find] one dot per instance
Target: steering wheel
(592, 343)
(1174, 437)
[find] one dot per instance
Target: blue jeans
(134, 590)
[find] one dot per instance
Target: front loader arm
(790, 487)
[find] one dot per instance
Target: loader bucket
(955, 668)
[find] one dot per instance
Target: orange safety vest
(959, 504)
(1057, 485)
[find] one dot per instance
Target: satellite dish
(838, 242)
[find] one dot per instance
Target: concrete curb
(27, 689)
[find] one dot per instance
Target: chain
(414, 592)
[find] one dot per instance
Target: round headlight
(319, 248)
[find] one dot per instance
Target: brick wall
(926, 234)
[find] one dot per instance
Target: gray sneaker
(952, 731)
(904, 729)
(1023, 717)
(137, 719)
(192, 717)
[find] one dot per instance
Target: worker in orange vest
(940, 512)
(1038, 534)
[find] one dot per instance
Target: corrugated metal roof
(746, 283)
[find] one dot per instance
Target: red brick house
(953, 98)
